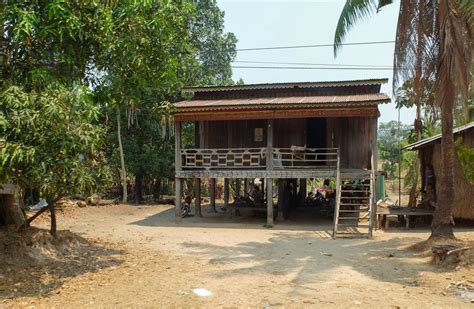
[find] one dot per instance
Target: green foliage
(465, 156)
(44, 41)
(391, 137)
(215, 49)
(353, 12)
(52, 141)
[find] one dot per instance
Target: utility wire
(314, 46)
(321, 64)
(308, 68)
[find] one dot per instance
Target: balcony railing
(302, 157)
(216, 159)
(255, 158)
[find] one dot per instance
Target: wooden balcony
(253, 162)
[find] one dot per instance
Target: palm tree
(433, 43)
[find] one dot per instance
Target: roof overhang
(361, 105)
(433, 139)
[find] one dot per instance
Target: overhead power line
(314, 46)
(316, 64)
(308, 68)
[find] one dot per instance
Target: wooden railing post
(270, 145)
(177, 146)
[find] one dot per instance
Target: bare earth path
(245, 265)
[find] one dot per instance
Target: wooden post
(373, 163)
(237, 187)
(302, 193)
(246, 186)
(270, 144)
(226, 193)
(269, 202)
(177, 146)
(197, 196)
(213, 195)
(338, 195)
(177, 185)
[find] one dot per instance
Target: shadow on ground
(311, 259)
(303, 220)
(32, 263)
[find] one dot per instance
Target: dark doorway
(316, 133)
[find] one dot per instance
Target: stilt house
(285, 131)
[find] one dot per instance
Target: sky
(268, 23)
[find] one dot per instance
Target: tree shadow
(34, 264)
(309, 259)
(303, 220)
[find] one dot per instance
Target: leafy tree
(47, 41)
(440, 50)
(195, 50)
(52, 142)
(214, 49)
(391, 136)
(141, 60)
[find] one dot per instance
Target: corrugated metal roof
(286, 102)
(429, 140)
(358, 82)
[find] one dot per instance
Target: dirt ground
(138, 256)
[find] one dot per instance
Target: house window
(258, 136)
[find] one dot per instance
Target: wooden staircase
(354, 212)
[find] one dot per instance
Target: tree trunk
(138, 188)
(157, 188)
(442, 225)
(52, 209)
(10, 211)
(123, 172)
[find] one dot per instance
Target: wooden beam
(178, 184)
(197, 196)
(269, 202)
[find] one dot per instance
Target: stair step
(354, 191)
(351, 225)
(353, 211)
(355, 197)
(353, 204)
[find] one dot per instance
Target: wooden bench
(384, 213)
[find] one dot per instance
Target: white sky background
(267, 23)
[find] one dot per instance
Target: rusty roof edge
(291, 106)
(357, 82)
(384, 99)
(419, 144)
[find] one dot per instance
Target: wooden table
(402, 211)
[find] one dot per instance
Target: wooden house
(285, 131)
(429, 153)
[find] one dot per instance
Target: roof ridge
(371, 81)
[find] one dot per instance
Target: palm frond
(353, 12)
